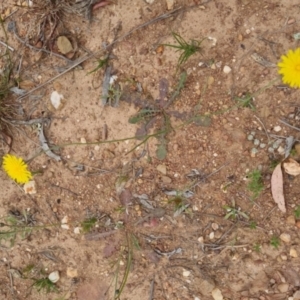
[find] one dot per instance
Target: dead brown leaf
(277, 188)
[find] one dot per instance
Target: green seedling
(16, 224)
(88, 224)
(44, 285)
(252, 225)
(187, 49)
(245, 101)
(297, 212)
(255, 185)
(101, 64)
(234, 213)
(275, 241)
(257, 247)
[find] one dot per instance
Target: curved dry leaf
(291, 167)
(277, 188)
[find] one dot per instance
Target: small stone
(254, 151)
(77, 230)
(277, 128)
(291, 220)
(201, 239)
(212, 235)
(226, 69)
(214, 226)
(293, 253)
(56, 99)
(64, 45)
(162, 169)
(170, 4)
(296, 295)
(82, 140)
(250, 137)
(54, 276)
(216, 294)
(72, 273)
(166, 179)
(262, 145)
(186, 273)
(276, 144)
(271, 150)
(285, 237)
(149, 1)
(253, 133)
(280, 150)
(30, 187)
(283, 287)
(256, 142)
(283, 256)
(97, 148)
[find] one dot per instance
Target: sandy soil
(110, 241)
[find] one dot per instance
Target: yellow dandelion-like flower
(16, 168)
(289, 68)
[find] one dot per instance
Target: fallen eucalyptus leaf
(277, 188)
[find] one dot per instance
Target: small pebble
(276, 144)
(256, 142)
(211, 235)
(186, 273)
(162, 169)
(250, 137)
(217, 294)
(226, 69)
(54, 276)
(277, 128)
(254, 151)
(291, 220)
(285, 237)
(201, 239)
(280, 150)
(283, 256)
(271, 149)
(283, 287)
(293, 253)
(296, 295)
(82, 140)
(214, 226)
(253, 133)
(262, 145)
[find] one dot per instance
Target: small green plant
(255, 185)
(16, 224)
(233, 212)
(245, 101)
(297, 212)
(101, 64)
(275, 241)
(187, 49)
(88, 224)
(44, 285)
(257, 247)
(252, 225)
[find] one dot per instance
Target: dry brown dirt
(104, 169)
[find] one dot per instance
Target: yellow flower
(16, 168)
(289, 68)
